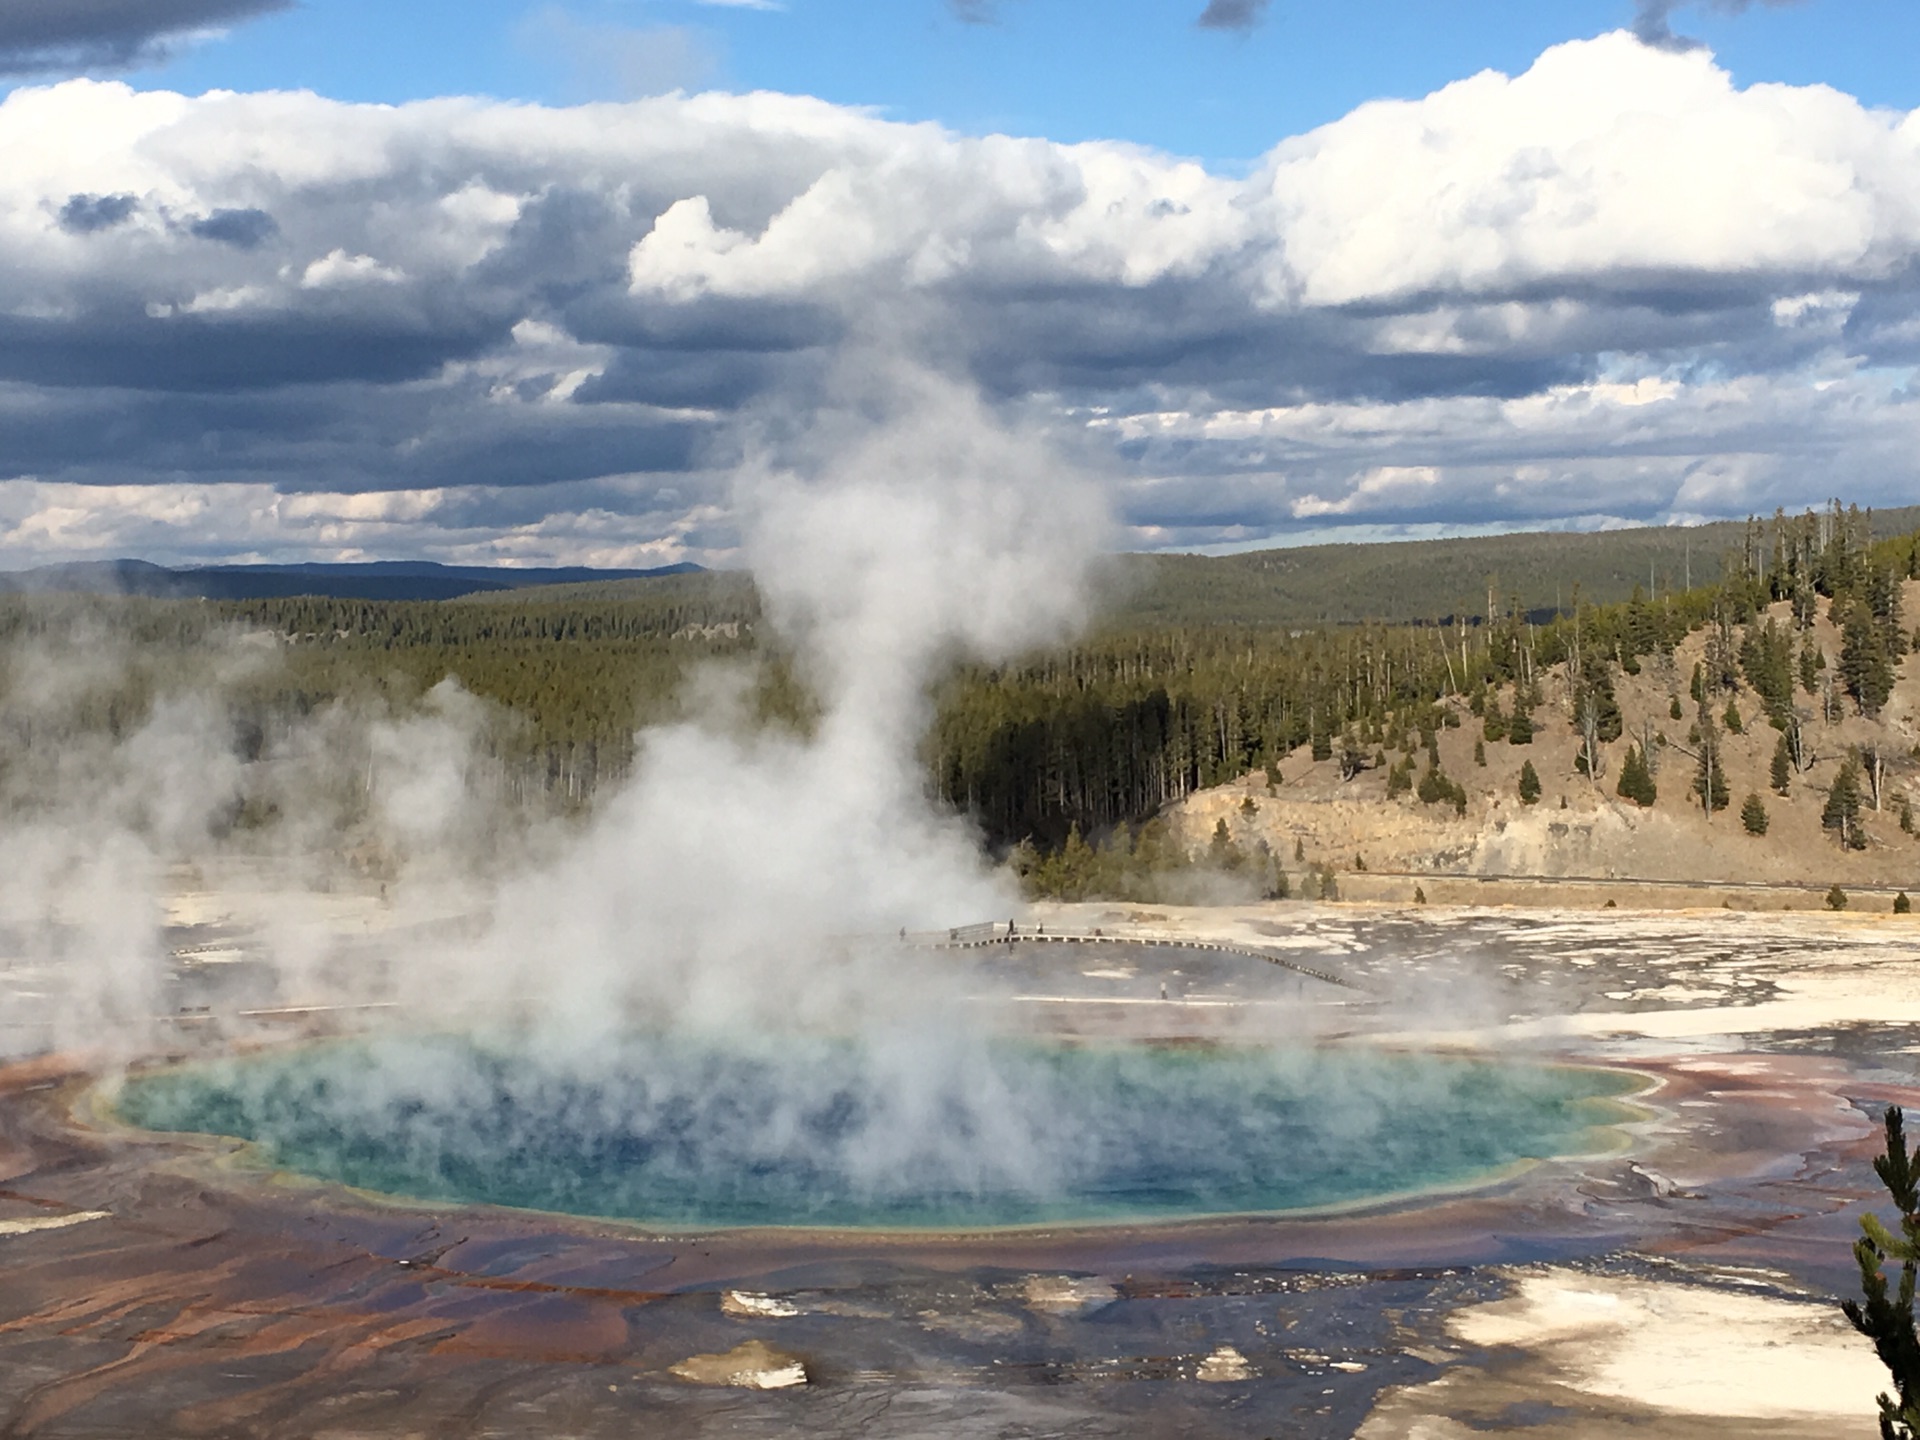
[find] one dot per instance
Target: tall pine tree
(1841, 813)
(1636, 781)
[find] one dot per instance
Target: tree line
(1089, 739)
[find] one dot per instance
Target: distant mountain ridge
(1390, 581)
(365, 580)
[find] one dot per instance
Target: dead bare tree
(1589, 719)
(1873, 768)
(1649, 744)
(1797, 746)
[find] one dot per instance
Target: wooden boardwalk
(1008, 932)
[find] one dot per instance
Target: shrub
(1495, 723)
(1836, 898)
(1420, 895)
(1902, 905)
(1437, 787)
(1400, 778)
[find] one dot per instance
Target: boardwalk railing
(1009, 932)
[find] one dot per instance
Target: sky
(528, 283)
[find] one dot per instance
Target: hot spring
(674, 1132)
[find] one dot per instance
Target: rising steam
(740, 885)
(727, 883)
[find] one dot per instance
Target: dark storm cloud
(1202, 339)
(714, 379)
(342, 437)
(1241, 15)
(242, 229)
(749, 327)
(43, 35)
(86, 214)
(134, 350)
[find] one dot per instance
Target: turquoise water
(677, 1133)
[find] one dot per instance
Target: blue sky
(1141, 71)
(1602, 262)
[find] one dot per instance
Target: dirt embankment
(1580, 843)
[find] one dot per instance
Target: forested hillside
(1096, 737)
(1409, 581)
(1120, 725)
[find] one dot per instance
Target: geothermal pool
(676, 1132)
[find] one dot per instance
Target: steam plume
(720, 885)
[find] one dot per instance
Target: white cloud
(1607, 159)
(337, 268)
(1613, 270)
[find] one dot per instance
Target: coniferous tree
(1780, 771)
(1709, 776)
(1437, 787)
(1812, 661)
(1902, 905)
(1400, 777)
(1753, 815)
(1766, 659)
(1221, 851)
(1636, 781)
(1842, 811)
(1529, 784)
(1494, 721)
(1866, 663)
